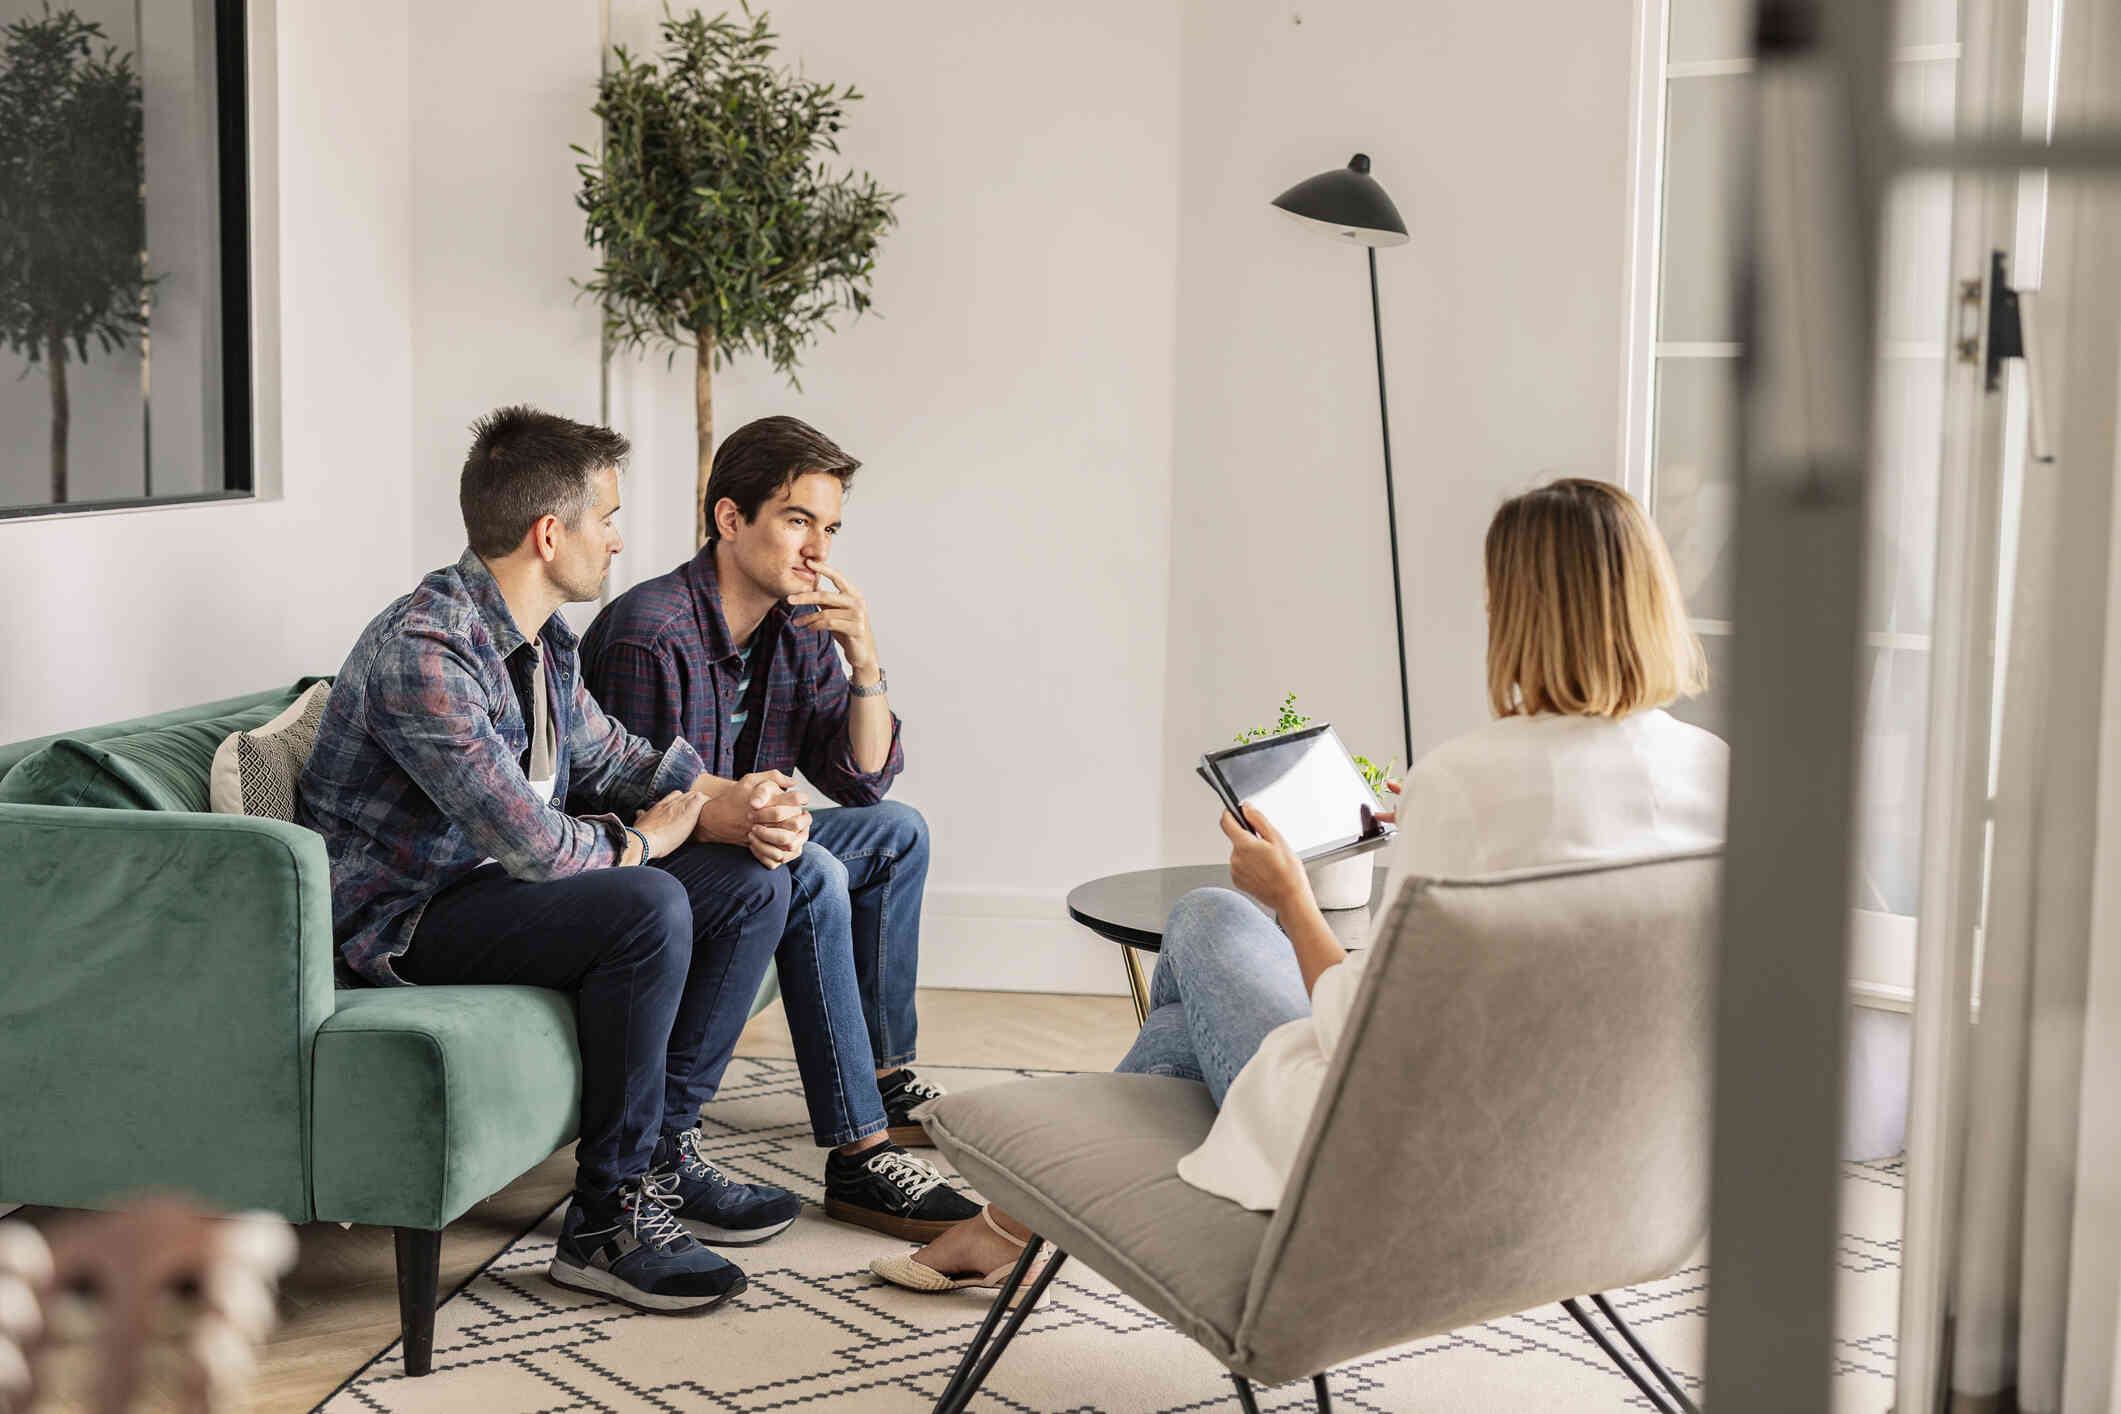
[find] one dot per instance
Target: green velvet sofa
(169, 1019)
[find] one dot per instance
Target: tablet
(1307, 784)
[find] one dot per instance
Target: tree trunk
(703, 407)
(62, 412)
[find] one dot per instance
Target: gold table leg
(1136, 985)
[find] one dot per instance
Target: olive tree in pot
(718, 226)
(73, 226)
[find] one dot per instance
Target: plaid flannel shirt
(417, 776)
(661, 660)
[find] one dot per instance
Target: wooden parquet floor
(340, 1304)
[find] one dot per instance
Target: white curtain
(2034, 1294)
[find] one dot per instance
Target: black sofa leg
(419, 1277)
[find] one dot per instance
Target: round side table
(1130, 909)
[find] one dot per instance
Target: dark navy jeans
(850, 958)
(663, 962)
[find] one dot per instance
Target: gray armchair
(1519, 1113)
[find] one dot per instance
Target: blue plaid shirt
(661, 660)
(417, 776)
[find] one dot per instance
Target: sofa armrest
(164, 977)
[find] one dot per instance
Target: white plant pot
(1343, 883)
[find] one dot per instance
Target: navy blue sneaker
(886, 1189)
(628, 1247)
(712, 1206)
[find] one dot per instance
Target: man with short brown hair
(739, 652)
(487, 822)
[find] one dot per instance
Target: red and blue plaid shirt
(661, 660)
(417, 776)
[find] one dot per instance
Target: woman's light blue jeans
(1226, 977)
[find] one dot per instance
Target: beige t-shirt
(1521, 792)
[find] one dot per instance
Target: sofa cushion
(428, 1099)
(254, 772)
(1091, 1163)
(161, 768)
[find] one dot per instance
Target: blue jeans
(663, 964)
(849, 960)
(1226, 977)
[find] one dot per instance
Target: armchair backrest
(1518, 1113)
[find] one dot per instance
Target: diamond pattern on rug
(815, 1331)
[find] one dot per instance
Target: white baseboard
(1013, 940)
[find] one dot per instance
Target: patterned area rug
(815, 1331)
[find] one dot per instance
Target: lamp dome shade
(1349, 202)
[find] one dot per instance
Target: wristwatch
(875, 689)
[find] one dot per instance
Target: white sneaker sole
(598, 1282)
(732, 1237)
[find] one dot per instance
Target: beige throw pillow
(254, 772)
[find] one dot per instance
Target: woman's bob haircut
(1585, 616)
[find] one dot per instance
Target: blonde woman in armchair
(1587, 644)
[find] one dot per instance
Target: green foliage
(73, 226)
(712, 208)
(1292, 720)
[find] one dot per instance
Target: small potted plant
(1341, 883)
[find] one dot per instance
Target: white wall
(1504, 144)
(1011, 399)
(496, 238)
(1121, 487)
(109, 616)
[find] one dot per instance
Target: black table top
(1131, 908)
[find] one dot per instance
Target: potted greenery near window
(1344, 883)
(719, 228)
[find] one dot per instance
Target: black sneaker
(712, 1206)
(888, 1190)
(906, 1100)
(630, 1248)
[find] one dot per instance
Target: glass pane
(1895, 723)
(1903, 546)
(1709, 29)
(1694, 496)
(1702, 133)
(1925, 22)
(111, 306)
(1722, 29)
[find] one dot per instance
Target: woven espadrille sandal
(919, 1276)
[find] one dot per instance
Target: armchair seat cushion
(1090, 1162)
(429, 1099)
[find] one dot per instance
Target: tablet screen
(1304, 783)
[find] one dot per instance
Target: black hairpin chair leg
(980, 1356)
(1658, 1398)
(1251, 1403)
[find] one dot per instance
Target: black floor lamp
(1349, 203)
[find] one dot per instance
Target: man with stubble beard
(487, 822)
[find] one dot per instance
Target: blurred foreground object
(158, 1307)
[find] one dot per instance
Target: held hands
(730, 814)
(669, 822)
(762, 812)
(1264, 865)
(845, 615)
(779, 829)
